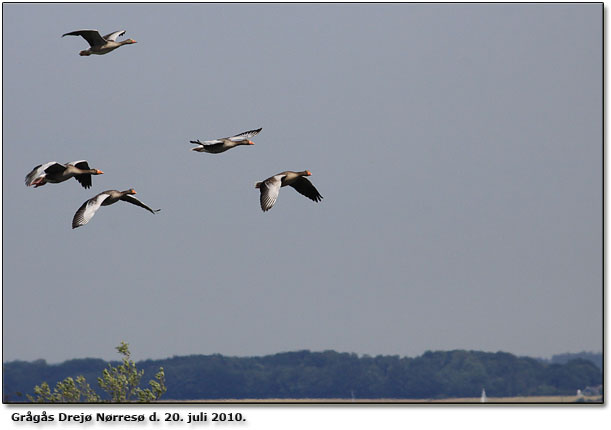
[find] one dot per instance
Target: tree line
(594, 357)
(330, 375)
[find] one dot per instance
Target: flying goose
(54, 173)
(217, 146)
(271, 187)
(88, 209)
(100, 45)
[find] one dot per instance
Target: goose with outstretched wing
(100, 45)
(54, 173)
(217, 146)
(270, 188)
(88, 209)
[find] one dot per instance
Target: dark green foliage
(594, 357)
(119, 384)
(329, 374)
(19, 377)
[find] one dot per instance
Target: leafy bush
(121, 383)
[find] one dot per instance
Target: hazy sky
(458, 148)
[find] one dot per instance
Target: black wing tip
(255, 131)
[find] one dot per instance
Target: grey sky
(458, 149)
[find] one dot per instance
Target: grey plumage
(88, 209)
(270, 187)
(216, 146)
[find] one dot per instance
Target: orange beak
(250, 142)
(309, 173)
(100, 172)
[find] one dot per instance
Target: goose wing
(34, 174)
(270, 188)
(85, 178)
(305, 187)
(88, 209)
(245, 135)
(38, 172)
(207, 142)
(91, 36)
(113, 36)
(55, 168)
(81, 164)
(135, 201)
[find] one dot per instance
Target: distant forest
(595, 358)
(333, 375)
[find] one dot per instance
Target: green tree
(122, 383)
(66, 391)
